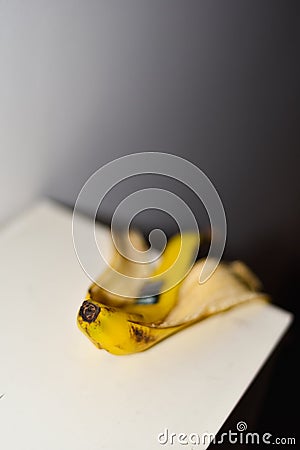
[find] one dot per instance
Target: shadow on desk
(269, 403)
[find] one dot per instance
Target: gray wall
(83, 82)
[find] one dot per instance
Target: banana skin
(116, 331)
(123, 332)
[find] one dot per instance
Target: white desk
(61, 393)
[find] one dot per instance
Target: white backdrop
(83, 82)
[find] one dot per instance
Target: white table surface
(61, 392)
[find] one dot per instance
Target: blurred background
(85, 82)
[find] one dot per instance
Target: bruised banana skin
(123, 333)
(118, 332)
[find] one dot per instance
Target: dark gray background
(217, 82)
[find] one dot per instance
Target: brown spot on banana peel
(89, 311)
(140, 334)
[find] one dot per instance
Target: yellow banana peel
(123, 327)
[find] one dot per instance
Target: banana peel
(133, 327)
